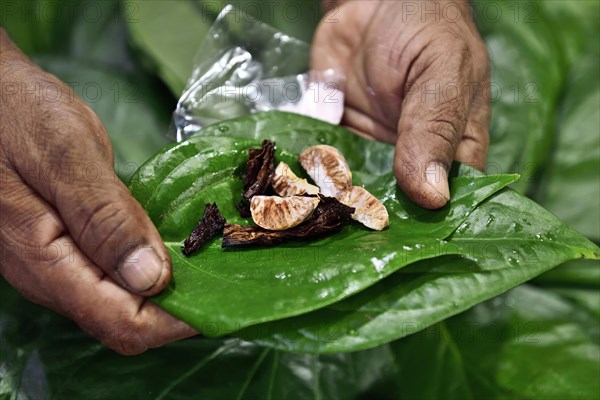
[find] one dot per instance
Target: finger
(473, 147)
(113, 230)
(432, 122)
(69, 163)
(48, 268)
(337, 54)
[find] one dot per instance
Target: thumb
(106, 223)
(113, 230)
(431, 125)
(60, 149)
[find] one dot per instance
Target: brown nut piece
(328, 169)
(279, 213)
(368, 210)
(286, 183)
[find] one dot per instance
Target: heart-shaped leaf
(506, 241)
(219, 291)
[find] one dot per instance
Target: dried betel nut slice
(328, 169)
(279, 213)
(286, 183)
(367, 209)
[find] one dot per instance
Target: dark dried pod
(211, 225)
(243, 208)
(259, 173)
(329, 216)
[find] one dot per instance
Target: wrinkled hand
(72, 237)
(417, 74)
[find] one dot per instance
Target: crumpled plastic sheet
(245, 66)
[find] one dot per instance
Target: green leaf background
(539, 340)
(508, 240)
(85, 44)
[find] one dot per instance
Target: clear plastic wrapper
(245, 66)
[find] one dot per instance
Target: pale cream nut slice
(367, 209)
(286, 183)
(279, 213)
(328, 169)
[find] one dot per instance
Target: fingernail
(437, 178)
(141, 269)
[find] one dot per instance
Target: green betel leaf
(513, 346)
(525, 83)
(531, 46)
(220, 291)
(580, 273)
(528, 344)
(573, 176)
(45, 356)
(506, 241)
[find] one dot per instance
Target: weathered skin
(417, 75)
(67, 236)
(66, 240)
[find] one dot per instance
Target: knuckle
(129, 343)
(448, 117)
(62, 125)
(35, 228)
(446, 129)
(105, 225)
(449, 42)
(453, 59)
(123, 336)
(72, 118)
(59, 137)
(30, 236)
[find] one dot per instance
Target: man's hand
(72, 238)
(417, 75)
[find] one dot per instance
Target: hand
(72, 237)
(417, 74)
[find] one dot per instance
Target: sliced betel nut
(368, 210)
(286, 183)
(278, 213)
(328, 169)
